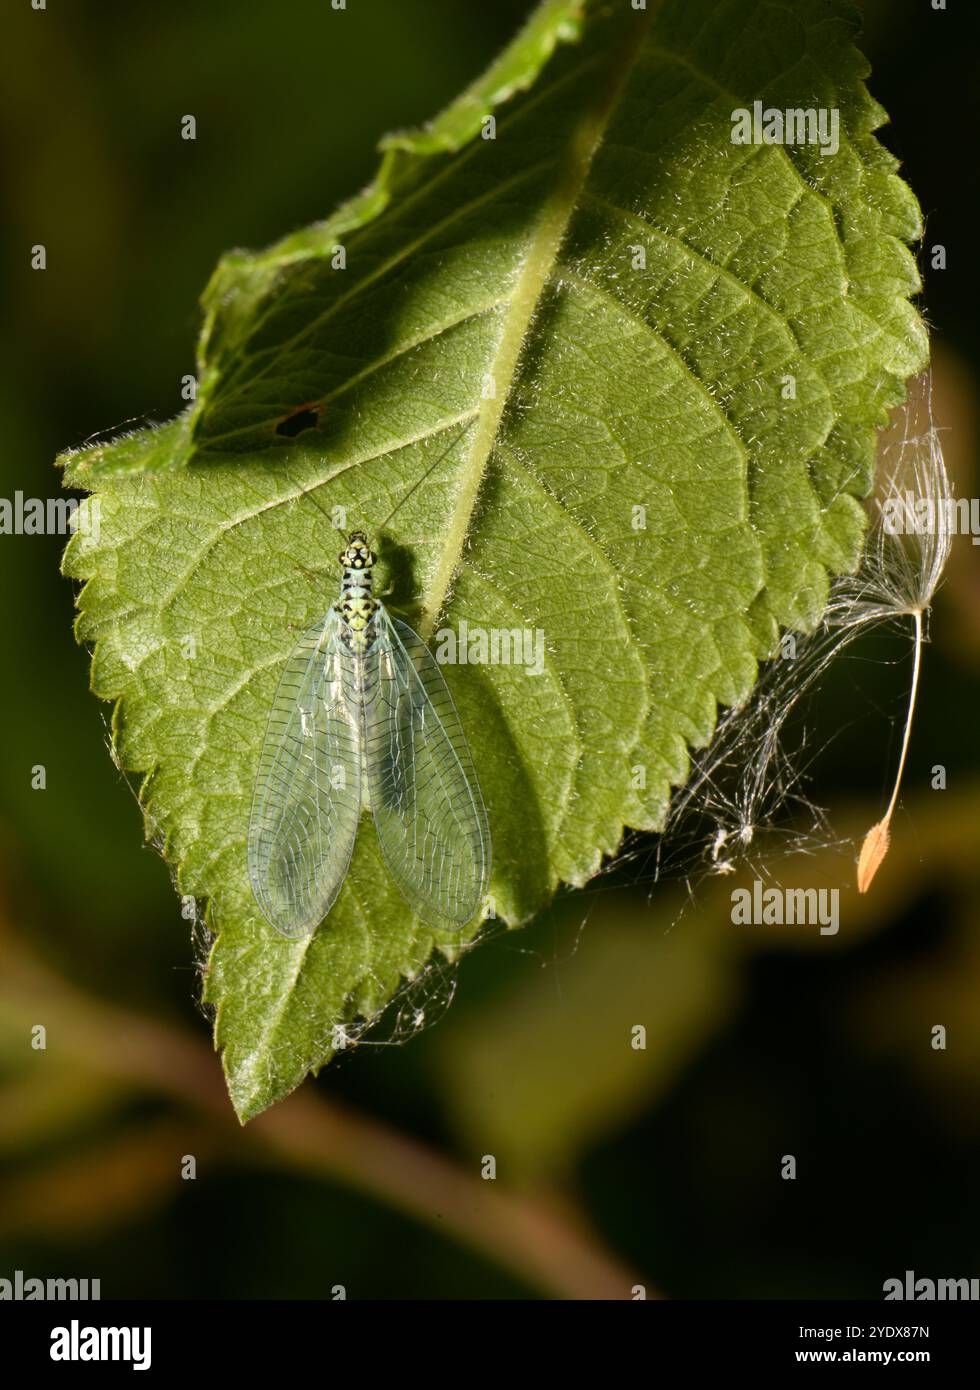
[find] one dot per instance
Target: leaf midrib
(448, 170)
(539, 262)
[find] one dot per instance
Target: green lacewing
(363, 721)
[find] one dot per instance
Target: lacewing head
(357, 555)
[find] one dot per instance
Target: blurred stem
(527, 1235)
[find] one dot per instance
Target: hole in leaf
(305, 418)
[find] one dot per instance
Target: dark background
(614, 1167)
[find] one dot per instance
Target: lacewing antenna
(310, 491)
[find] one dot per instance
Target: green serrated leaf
(618, 296)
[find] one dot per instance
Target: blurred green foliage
(661, 1163)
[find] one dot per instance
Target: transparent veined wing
(424, 795)
(307, 798)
